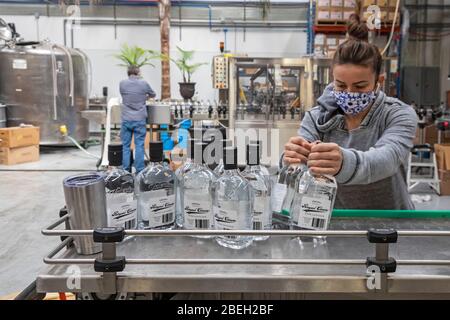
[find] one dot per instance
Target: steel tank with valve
(46, 85)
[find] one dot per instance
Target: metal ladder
(431, 180)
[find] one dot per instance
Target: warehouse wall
(432, 48)
(100, 43)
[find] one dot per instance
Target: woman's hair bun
(357, 30)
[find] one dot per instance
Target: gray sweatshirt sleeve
(308, 129)
(385, 157)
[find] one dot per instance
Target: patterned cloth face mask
(353, 103)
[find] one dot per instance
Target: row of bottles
(198, 198)
(192, 109)
(194, 197)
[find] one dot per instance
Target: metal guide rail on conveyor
(396, 256)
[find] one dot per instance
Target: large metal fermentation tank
(45, 85)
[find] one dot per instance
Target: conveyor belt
(273, 278)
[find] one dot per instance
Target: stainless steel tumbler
(86, 205)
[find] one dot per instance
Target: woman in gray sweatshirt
(365, 135)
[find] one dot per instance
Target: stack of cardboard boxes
(432, 135)
(326, 44)
(387, 10)
(334, 11)
(19, 145)
(443, 160)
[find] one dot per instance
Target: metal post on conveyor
(382, 238)
(110, 263)
(382, 254)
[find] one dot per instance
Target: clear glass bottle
(262, 210)
(219, 169)
(233, 203)
(264, 169)
(313, 203)
(121, 204)
(196, 194)
(179, 173)
(291, 179)
(155, 186)
(281, 187)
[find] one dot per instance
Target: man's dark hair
(133, 70)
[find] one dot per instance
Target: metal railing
(380, 238)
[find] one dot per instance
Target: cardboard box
(337, 3)
(367, 3)
(443, 156)
(19, 137)
(382, 3)
(11, 156)
(319, 39)
(336, 15)
(444, 178)
(392, 3)
(350, 4)
(323, 14)
(431, 135)
(391, 16)
(346, 14)
(319, 49)
(323, 3)
(332, 41)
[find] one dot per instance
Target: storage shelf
(333, 28)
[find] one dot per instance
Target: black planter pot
(187, 89)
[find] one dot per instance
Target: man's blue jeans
(139, 129)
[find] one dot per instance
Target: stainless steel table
(279, 279)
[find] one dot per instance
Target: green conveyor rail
(391, 213)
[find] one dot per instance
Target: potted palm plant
(137, 56)
(187, 88)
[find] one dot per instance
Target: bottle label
(260, 212)
(197, 213)
(314, 212)
(121, 208)
(231, 215)
(278, 194)
(161, 208)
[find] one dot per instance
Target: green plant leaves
(183, 64)
(137, 56)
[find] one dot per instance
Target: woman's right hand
(296, 150)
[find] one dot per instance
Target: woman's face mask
(353, 103)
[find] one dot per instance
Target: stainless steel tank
(45, 85)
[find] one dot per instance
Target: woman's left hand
(325, 158)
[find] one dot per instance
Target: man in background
(135, 91)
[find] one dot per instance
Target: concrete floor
(30, 198)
